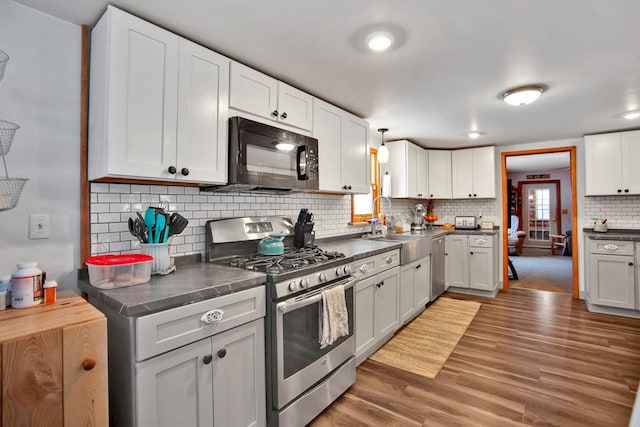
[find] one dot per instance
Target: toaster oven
(466, 222)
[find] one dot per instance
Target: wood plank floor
(528, 358)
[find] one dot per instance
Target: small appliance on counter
(417, 223)
(304, 236)
(466, 222)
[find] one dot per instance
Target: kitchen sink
(413, 246)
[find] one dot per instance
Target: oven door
(300, 362)
(263, 155)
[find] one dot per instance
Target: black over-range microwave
(263, 157)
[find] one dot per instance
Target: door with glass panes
(541, 215)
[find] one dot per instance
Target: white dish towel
(334, 317)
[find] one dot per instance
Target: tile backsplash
(620, 211)
(113, 204)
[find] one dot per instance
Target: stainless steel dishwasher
(437, 267)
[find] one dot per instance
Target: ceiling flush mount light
(522, 95)
(379, 41)
(630, 115)
(383, 151)
(474, 134)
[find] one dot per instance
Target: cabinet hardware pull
(630, 264)
(222, 353)
(611, 248)
(481, 241)
(388, 260)
(207, 359)
(172, 170)
(469, 195)
(274, 113)
(283, 116)
(471, 253)
(212, 316)
(184, 171)
(88, 364)
(475, 195)
(619, 190)
(349, 187)
(418, 267)
(626, 190)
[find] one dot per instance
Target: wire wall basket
(7, 131)
(10, 188)
(4, 58)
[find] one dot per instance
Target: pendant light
(383, 151)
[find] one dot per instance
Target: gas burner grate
(291, 260)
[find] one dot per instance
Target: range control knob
(347, 269)
(304, 283)
(339, 271)
(293, 286)
(364, 268)
(322, 277)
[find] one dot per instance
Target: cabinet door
(32, 381)
(355, 154)
(327, 129)
(462, 174)
(365, 315)
(142, 91)
(439, 174)
(422, 165)
(612, 280)
(176, 388)
(457, 260)
(407, 289)
(603, 164)
(238, 376)
(252, 91)
(85, 374)
(398, 169)
(412, 162)
(295, 107)
(422, 284)
(484, 172)
(386, 304)
(481, 268)
(630, 159)
(202, 113)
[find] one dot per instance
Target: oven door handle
(312, 297)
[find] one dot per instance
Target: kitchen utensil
(161, 222)
(133, 229)
(177, 224)
(150, 222)
(272, 244)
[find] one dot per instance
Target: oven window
(301, 335)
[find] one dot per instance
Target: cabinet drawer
(169, 329)
(482, 241)
(377, 263)
(611, 247)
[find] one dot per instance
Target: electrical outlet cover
(39, 226)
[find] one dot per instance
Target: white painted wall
(41, 93)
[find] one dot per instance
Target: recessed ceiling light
(631, 115)
(379, 41)
(474, 134)
(522, 95)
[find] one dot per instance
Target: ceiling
(444, 76)
(538, 162)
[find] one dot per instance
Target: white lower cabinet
(376, 311)
(414, 288)
(471, 261)
(611, 278)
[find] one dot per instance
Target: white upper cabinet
(254, 92)
(473, 173)
(439, 174)
(342, 149)
(612, 163)
(407, 166)
(158, 104)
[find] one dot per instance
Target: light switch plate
(39, 226)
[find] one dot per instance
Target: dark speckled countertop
(613, 234)
(188, 284)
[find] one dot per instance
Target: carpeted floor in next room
(538, 269)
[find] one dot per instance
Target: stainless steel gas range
(302, 377)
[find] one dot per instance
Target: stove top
(291, 260)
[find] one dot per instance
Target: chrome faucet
(373, 220)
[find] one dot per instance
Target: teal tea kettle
(272, 244)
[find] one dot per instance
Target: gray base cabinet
(415, 286)
(471, 261)
(376, 311)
